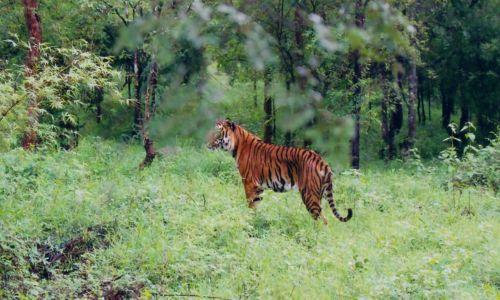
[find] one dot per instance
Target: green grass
(182, 227)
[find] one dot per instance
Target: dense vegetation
(107, 190)
(182, 227)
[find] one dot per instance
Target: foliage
(182, 227)
(12, 114)
(477, 167)
(87, 223)
(305, 45)
(63, 85)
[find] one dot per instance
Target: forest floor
(88, 223)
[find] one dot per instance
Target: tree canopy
(316, 70)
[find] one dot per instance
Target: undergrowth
(88, 223)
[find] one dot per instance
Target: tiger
(279, 168)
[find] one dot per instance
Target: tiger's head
(223, 137)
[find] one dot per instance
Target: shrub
(65, 81)
(478, 165)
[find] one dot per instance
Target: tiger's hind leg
(312, 201)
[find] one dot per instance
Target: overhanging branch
(6, 112)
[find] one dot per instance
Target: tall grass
(182, 227)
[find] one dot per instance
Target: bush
(65, 82)
(478, 166)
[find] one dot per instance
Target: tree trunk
(412, 98)
(268, 108)
(298, 27)
(34, 26)
(302, 76)
(150, 102)
(384, 153)
(397, 116)
(255, 104)
(447, 108)
(390, 114)
(287, 58)
(99, 92)
(429, 93)
(153, 82)
(356, 113)
(419, 115)
(397, 97)
(355, 56)
(33, 23)
(274, 116)
(288, 138)
(137, 89)
(128, 81)
(464, 116)
(288, 134)
(422, 105)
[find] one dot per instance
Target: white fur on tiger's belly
(278, 186)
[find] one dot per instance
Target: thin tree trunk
(395, 123)
(384, 153)
(137, 89)
(389, 114)
(98, 104)
(298, 26)
(274, 116)
(464, 115)
(421, 93)
(396, 120)
(268, 108)
(34, 26)
(419, 115)
(429, 93)
(255, 89)
(355, 56)
(287, 58)
(153, 80)
(412, 98)
(288, 134)
(397, 116)
(150, 102)
(288, 138)
(302, 78)
(446, 108)
(129, 83)
(357, 126)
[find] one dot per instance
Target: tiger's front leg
(252, 192)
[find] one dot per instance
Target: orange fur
(279, 168)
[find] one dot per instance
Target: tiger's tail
(331, 202)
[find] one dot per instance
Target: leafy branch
(8, 109)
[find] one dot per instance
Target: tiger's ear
(219, 124)
(231, 124)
